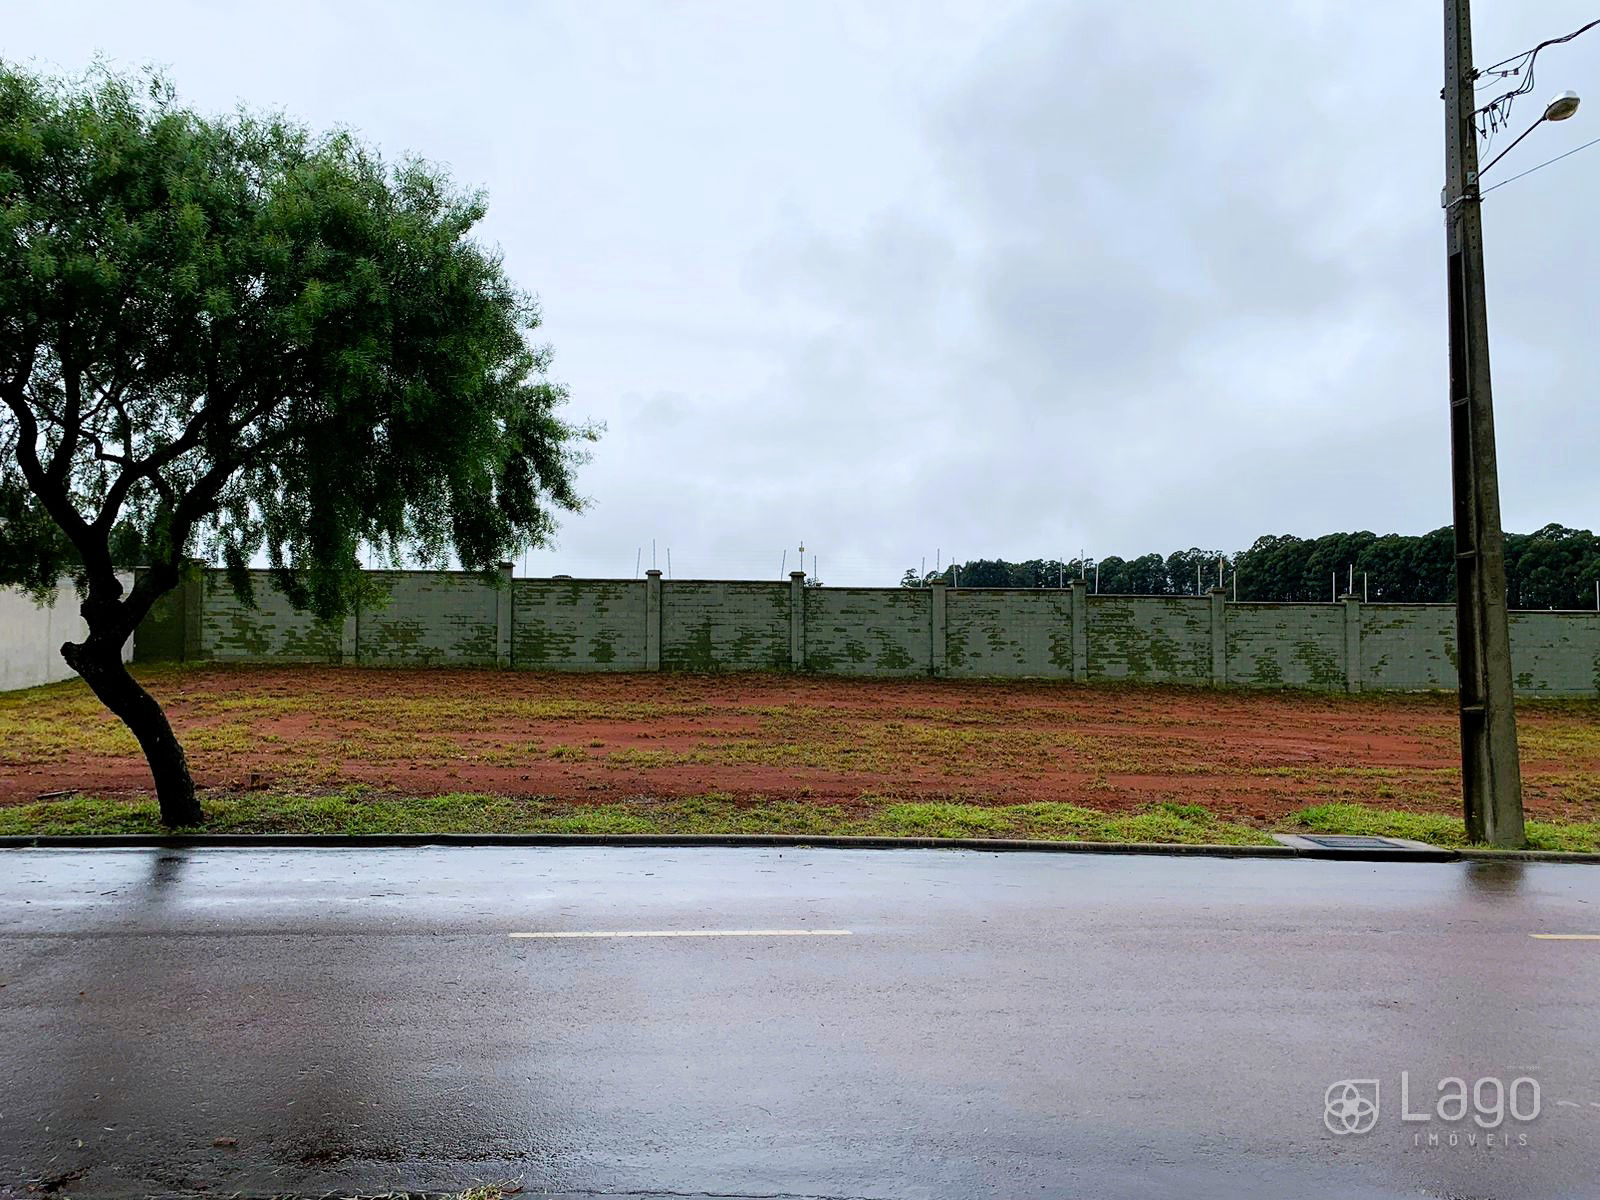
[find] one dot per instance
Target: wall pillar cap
(797, 574)
(653, 573)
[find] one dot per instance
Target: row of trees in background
(1554, 567)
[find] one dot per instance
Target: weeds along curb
(798, 841)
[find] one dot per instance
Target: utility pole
(1491, 778)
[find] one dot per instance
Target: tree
(1553, 567)
(1145, 575)
(232, 336)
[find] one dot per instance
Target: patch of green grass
(881, 747)
(1190, 812)
(1186, 823)
(43, 724)
(232, 737)
(78, 815)
(946, 820)
(644, 759)
(1559, 739)
(602, 821)
(1437, 829)
(357, 811)
(259, 706)
(465, 714)
(1578, 792)
(1317, 770)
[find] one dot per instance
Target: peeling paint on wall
(1286, 645)
(578, 625)
(869, 631)
(1009, 633)
(1157, 639)
(717, 626)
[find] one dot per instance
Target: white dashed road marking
(1566, 937)
(679, 933)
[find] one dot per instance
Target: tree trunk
(99, 661)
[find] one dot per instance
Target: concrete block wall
(1287, 645)
(272, 631)
(724, 626)
(31, 635)
(651, 624)
(1001, 632)
(1556, 652)
(1408, 647)
(430, 618)
(868, 631)
(1153, 639)
(578, 625)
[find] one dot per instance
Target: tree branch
(71, 417)
(188, 440)
(52, 493)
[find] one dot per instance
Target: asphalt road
(989, 1025)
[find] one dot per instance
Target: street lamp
(1491, 776)
(1559, 109)
(1562, 107)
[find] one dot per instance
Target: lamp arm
(1482, 171)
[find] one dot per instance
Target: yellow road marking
(670, 933)
(1566, 937)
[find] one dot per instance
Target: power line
(1495, 114)
(1494, 68)
(1541, 166)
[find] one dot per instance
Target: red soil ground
(604, 738)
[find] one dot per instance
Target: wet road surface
(969, 1025)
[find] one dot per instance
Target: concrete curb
(1485, 854)
(799, 841)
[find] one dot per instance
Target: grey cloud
(994, 277)
(1206, 274)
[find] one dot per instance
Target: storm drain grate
(1336, 841)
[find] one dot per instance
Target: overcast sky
(979, 279)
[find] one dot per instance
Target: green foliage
(1553, 567)
(1150, 575)
(233, 337)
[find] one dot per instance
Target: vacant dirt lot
(1247, 755)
